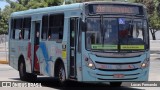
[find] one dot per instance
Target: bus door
(35, 46)
(73, 51)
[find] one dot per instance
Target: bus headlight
(145, 63)
(89, 63)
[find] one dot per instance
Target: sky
(3, 4)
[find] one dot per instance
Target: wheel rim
(62, 75)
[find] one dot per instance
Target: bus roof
(44, 10)
(74, 6)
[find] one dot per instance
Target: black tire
(61, 74)
(115, 84)
(22, 71)
(24, 76)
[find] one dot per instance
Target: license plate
(118, 75)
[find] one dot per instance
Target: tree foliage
(149, 4)
(4, 20)
(21, 5)
(153, 9)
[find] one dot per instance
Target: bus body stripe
(45, 54)
(44, 50)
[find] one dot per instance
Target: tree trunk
(153, 34)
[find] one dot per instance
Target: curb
(3, 62)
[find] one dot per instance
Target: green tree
(4, 20)
(154, 24)
(32, 4)
(54, 2)
(149, 4)
(154, 19)
(21, 5)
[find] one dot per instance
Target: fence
(4, 48)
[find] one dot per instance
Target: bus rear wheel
(22, 71)
(115, 84)
(24, 76)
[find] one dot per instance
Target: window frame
(20, 25)
(57, 27)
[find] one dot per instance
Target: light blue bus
(86, 42)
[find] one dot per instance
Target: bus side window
(27, 28)
(44, 27)
(60, 33)
(20, 28)
(12, 31)
(20, 35)
(56, 24)
(19, 32)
